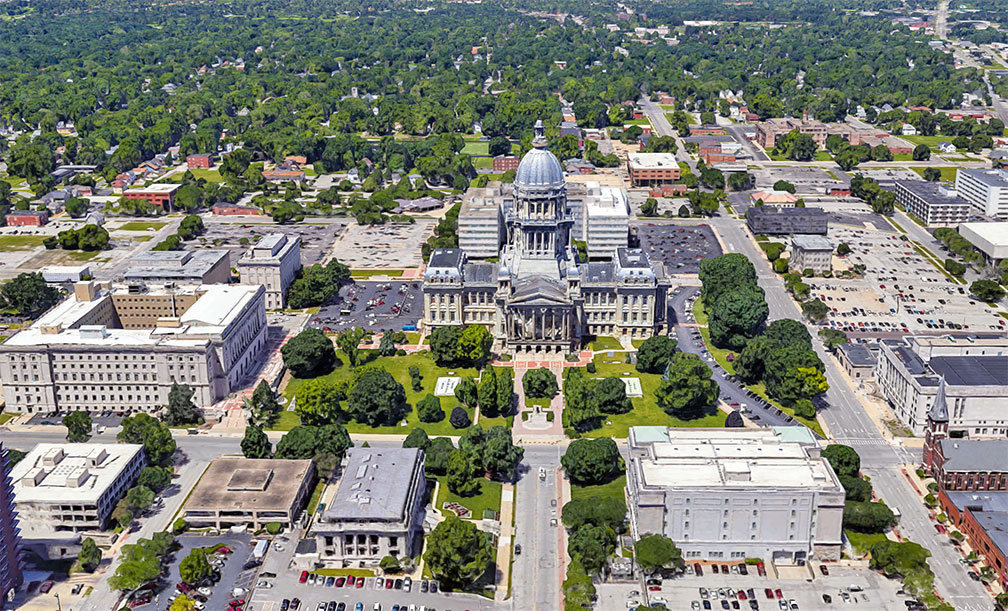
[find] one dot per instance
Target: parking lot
(391, 245)
(679, 247)
(802, 586)
(316, 238)
(901, 292)
(805, 179)
(373, 305)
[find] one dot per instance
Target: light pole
(58, 606)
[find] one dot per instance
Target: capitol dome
(539, 168)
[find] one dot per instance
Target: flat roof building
(933, 203)
(122, 348)
(251, 492)
(10, 537)
(377, 509)
(181, 266)
(809, 251)
(480, 220)
(985, 190)
(606, 220)
(732, 494)
(771, 220)
(989, 238)
(73, 487)
(652, 168)
(858, 360)
(983, 518)
(274, 263)
(160, 194)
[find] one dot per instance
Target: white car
(263, 584)
(198, 605)
(633, 603)
(321, 607)
(205, 591)
(542, 473)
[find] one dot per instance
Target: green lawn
(20, 242)
(81, 255)
(6, 417)
(823, 156)
(344, 572)
(533, 402)
(613, 489)
(367, 273)
(903, 157)
(483, 163)
(286, 421)
(931, 141)
(476, 148)
(209, 175)
(605, 342)
(316, 496)
(947, 173)
(489, 497)
(861, 541)
(645, 410)
(142, 226)
(399, 366)
(643, 121)
(698, 312)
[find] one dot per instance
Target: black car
(743, 570)
(424, 586)
(398, 584)
(826, 598)
(517, 549)
(433, 587)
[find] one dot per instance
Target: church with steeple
(537, 296)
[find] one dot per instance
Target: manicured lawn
(142, 226)
(903, 157)
(947, 173)
(316, 496)
(541, 403)
(399, 366)
(931, 141)
(698, 312)
(20, 242)
(476, 148)
(209, 175)
(643, 121)
(645, 409)
(367, 273)
(286, 421)
(605, 342)
(489, 497)
(613, 489)
(483, 163)
(861, 541)
(344, 572)
(487, 423)
(6, 417)
(823, 156)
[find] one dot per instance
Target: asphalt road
(535, 577)
(662, 126)
(738, 132)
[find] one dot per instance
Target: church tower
(936, 429)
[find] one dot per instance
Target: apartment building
(985, 190)
(122, 348)
(73, 487)
(933, 203)
(159, 194)
(732, 494)
(274, 263)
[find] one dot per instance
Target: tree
(376, 399)
(740, 181)
(505, 391)
(611, 396)
(444, 344)
(578, 587)
(416, 439)
(539, 383)
(655, 552)
(597, 511)
(195, 567)
(155, 478)
(181, 410)
(867, 517)
(313, 442)
(898, 558)
(856, 489)
(389, 343)
(736, 316)
(429, 409)
(256, 444)
(438, 452)
(987, 290)
(466, 392)
(844, 459)
(499, 145)
(309, 354)
(474, 345)
(592, 545)
(461, 478)
(843, 249)
(90, 556)
(191, 227)
(457, 552)
(318, 402)
(349, 341)
(29, 294)
(655, 353)
(263, 405)
(712, 178)
(139, 566)
(793, 373)
(688, 388)
(847, 159)
(580, 406)
(921, 152)
(815, 310)
(955, 268)
(155, 437)
(500, 455)
(721, 274)
(78, 425)
(389, 564)
(182, 603)
(783, 185)
(459, 417)
(591, 461)
(932, 174)
(649, 207)
(487, 393)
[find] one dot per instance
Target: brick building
(647, 169)
(20, 218)
(199, 160)
(159, 194)
(503, 163)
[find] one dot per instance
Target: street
(536, 577)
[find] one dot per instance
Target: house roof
(975, 455)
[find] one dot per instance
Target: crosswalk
(862, 441)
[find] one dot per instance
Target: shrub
(180, 526)
(459, 418)
(274, 528)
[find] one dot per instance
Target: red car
(769, 593)
(223, 550)
(715, 569)
(741, 595)
(389, 583)
(304, 577)
(654, 588)
(360, 583)
(761, 569)
(340, 581)
(237, 602)
(140, 601)
(779, 593)
(350, 581)
(698, 569)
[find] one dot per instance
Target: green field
(368, 273)
(643, 121)
(861, 541)
(142, 226)
(605, 342)
(823, 156)
(645, 409)
(613, 489)
(398, 366)
(489, 497)
(483, 163)
(947, 174)
(6, 417)
(476, 148)
(209, 175)
(20, 242)
(931, 141)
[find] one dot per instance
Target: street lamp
(58, 606)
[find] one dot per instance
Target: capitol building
(537, 297)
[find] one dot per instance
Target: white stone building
(811, 252)
(274, 263)
(985, 190)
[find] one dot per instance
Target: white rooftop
(70, 472)
(994, 233)
(606, 201)
(160, 187)
(653, 160)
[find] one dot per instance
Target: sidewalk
(504, 542)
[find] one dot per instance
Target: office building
(199, 160)
(767, 132)
(377, 509)
(812, 252)
(30, 218)
(858, 360)
(732, 494)
(73, 487)
(983, 518)
(778, 199)
(250, 492)
(480, 220)
(10, 533)
(985, 190)
(771, 220)
(180, 267)
(159, 194)
(274, 263)
(991, 239)
(972, 371)
(648, 169)
(606, 220)
(122, 348)
(933, 203)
